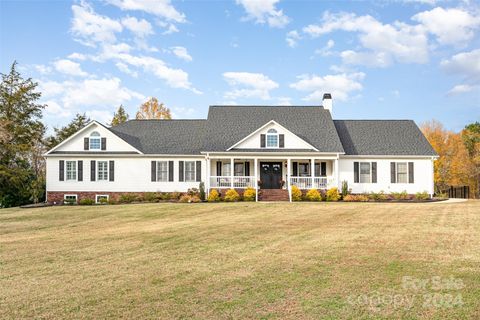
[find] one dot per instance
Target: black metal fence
(457, 192)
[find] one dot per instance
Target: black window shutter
(61, 170)
(392, 173)
(92, 170)
(180, 171)
(295, 169)
(374, 172)
(198, 171)
(86, 143)
(356, 173)
(281, 140)
(104, 143)
(323, 169)
(219, 168)
(80, 170)
(170, 171)
(111, 171)
(247, 168)
(154, 171)
(410, 173)
(262, 141)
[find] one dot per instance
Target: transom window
(272, 138)
(102, 170)
(402, 172)
(162, 170)
(190, 171)
(71, 170)
(365, 172)
(95, 141)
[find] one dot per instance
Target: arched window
(272, 138)
(95, 143)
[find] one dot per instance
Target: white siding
(131, 175)
(423, 176)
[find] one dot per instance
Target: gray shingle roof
(383, 137)
(163, 136)
(230, 124)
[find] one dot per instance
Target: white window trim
(158, 171)
(276, 134)
(396, 172)
(66, 170)
(70, 195)
(360, 172)
(194, 171)
(101, 195)
(98, 170)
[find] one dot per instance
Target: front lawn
(242, 260)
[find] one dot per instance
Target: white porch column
(232, 164)
(336, 175)
(207, 172)
(255, 165)
(289, 188)
(312, 173)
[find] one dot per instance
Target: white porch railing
(309, 182)
(240, 182)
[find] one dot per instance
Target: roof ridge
(166, 120)
(260, 105)
(373, 120)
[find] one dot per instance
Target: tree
(119, 117)
(80, 121)
(22, 130)
(471, 139)
(152, 109)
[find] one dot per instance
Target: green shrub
(296, 194)
(186, 198)
(70, 202)
(127, 198)
(344, 188)
(103, 201)
(400, 195)
(231, 196)
(378, 196)
(150, 196)
(313, 195)
(112, 201)
(355, 198)
(213, 196)
(333, 194)
(164, 196)
(175, 195)
(422, 195)
(86, 202)
(193, 192)
(249, 194)
(441, 195)
(201, 187)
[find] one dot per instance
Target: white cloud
(339, 85)
(182, 112)
(53, 108)
(160, 8)
(125, 69)
(461, 88)
(450, 26)
(284, 101)
(325, 51)
(69, 67)
(249, 85)
(42, 69)
(141, 28)
(102, 116)
(430, 2)
(181, 53)
(292, 38)
(264, 11)
(90, 28)
(466, 64)
(77, 56)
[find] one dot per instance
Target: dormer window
(272, 138)
(95, 141)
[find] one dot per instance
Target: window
(226, 169)
(190, 171)
(70, 198)
(303, 170)
(238, 169)
(162, 170)
(101, 198)
(365, 173)
(71, 170)
(272, 138)
(95, 143)
(402, 172)
(102, 170)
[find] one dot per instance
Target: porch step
(273, 195)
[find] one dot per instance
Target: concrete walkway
(451, 200)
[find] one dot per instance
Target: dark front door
(271, 175)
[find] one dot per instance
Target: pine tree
(121, 116)
(152, 109)
(77, 123)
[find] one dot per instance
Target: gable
(94, 130)
(291, 141)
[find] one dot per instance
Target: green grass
(239, 260)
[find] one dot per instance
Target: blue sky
(380, 60)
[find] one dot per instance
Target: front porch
(270, 172)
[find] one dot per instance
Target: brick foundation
(56, 197)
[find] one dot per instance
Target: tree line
(24, 141)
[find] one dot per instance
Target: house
(270, 148)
